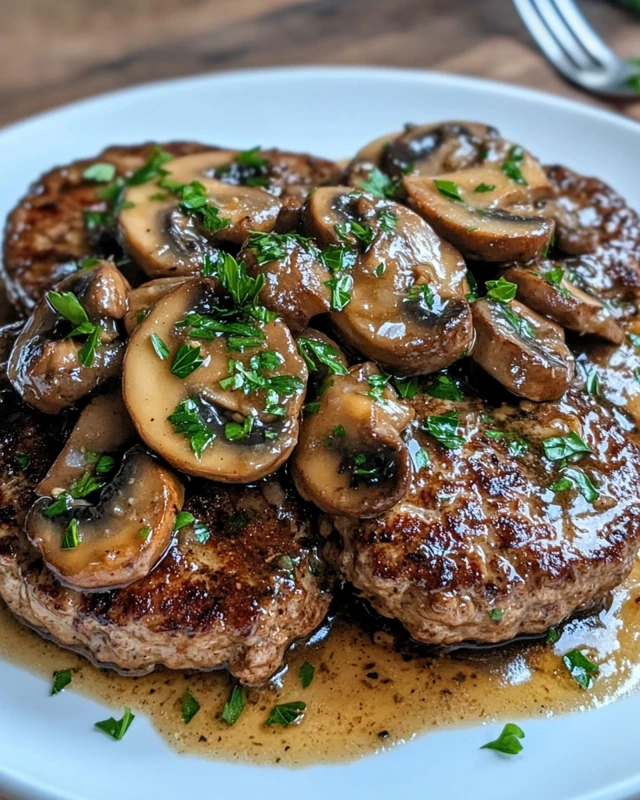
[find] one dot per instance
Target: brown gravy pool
(367, 693)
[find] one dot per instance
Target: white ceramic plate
(48, 751)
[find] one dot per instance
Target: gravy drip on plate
(370, 692)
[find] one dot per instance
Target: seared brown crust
(613, 270)
(236, 600)
(481, 529)
(45, 233)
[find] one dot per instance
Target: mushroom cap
(496, 225)
(532, 362)
(102, 427)
(295, 285)
(427, 150)
(153, 394)
(350, 459)
(382, 321)
(44, 366)
(144, 297)
(123, 537)
(565, 303)
(166, 241)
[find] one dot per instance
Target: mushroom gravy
(369, 692)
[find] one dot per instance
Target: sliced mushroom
(45, 365)
(166, 240)
(144, 297)
(295, 284)
(117, 541)
(406, 289)
(522, 350)
(564, 302)
(428, 150)
(103, 427)
(351, 460)
(484, 213)
(192, 421)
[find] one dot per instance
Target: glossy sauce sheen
(368, 693)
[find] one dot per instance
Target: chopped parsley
(190, 707)
(350, 230)
(186, 361)
(592, 382)
(496, 614)
(573, 477)
(61, 679)
(275, 387)
(186, 422)
(557, 448)
(508, 742)
(582, 669)
(22, 460)
(406, 387)
(275, 246)
(67, 306)
(183, 518)
(235, 431)
(338, 258)
(448, 189)
(59, 506)
(481, 188)
(444, 428)
(421, 291)
(553, 636)
(340, 287)
(519, 324)
(502, 290)
(71, 536)
(286, 714)
(377, 384)
(307, 672)
(420, 458)
(117, 728)
(315, 352)
(100, 172)
(234, 706)
(512, 165)
(248, 168)
(160, 348)
(144, 533)
(444, 388)
(381, 185)
(388, 221)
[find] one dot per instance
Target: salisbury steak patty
(237, 598)
(46, 234)
(598, 232)
(482, 547)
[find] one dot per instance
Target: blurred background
(54, 51)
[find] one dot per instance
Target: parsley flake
(444, 428)
(117, 728)
(448, 189)
(512, 165)
(61, 679)
(186, 422)
(160, 348)
(234, 706)
(315, 352)
(582, 669)
(286, 714)
(186, 361)
(190, 707)
(307, 672)
(508, 742)
(557, 448)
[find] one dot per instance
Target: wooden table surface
(54, 52)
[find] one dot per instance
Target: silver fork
(575, 49)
